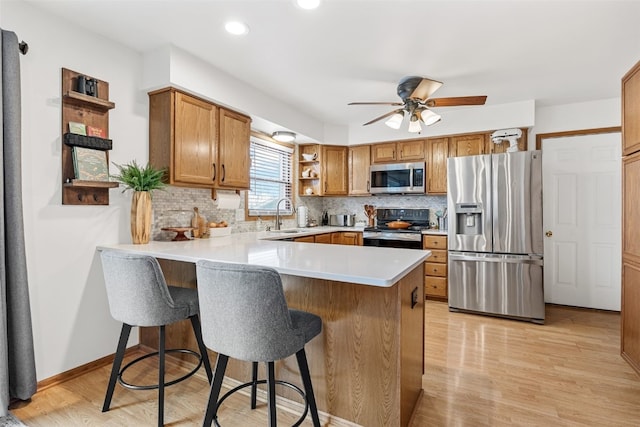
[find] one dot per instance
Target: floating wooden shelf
(83, 100)
(91, 184)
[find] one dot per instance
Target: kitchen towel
(227, 200)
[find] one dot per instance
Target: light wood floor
(479, 371)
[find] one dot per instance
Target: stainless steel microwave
(397, 178)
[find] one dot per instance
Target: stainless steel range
(385, 236)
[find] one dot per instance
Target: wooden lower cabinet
(323, 238)
(336, 238)
(630, 308)
(346, 238)
(435, 268)
(630, 325)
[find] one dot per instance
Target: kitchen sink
(285, 231)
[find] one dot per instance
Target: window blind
(270, 176)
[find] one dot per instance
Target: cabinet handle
(368, 186)
(325, 186)
(223, 173)
(214, 171)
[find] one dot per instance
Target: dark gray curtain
(17, 364)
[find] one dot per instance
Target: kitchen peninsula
(367, 364)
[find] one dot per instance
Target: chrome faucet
(278, 211)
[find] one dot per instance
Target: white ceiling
(553, 52)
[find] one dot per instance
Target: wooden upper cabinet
(467, 145)
(400, 151)
(359, 162)
(335, 170)
(194, 140)
(630, 211)
(200, 144)
(411, 150)
(631, 111)
(384, 152)
(233, 151)
(437, 154)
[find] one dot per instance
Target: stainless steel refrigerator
(495, 243)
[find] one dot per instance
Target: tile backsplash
(173, 207)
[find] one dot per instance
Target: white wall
(71, 321)
(586, 115)
(194, 75)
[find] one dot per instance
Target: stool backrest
(244, 313)
(137, 291)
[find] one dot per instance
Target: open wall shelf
(91, 111)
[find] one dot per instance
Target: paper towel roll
(227, 200)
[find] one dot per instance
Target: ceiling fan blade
(456, 101)
(375, 103)
(425, 88)
(391, 113)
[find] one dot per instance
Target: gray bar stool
(245, 316)
(139, 296)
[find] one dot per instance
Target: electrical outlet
(239, 214)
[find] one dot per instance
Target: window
(270, 177)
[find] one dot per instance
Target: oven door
(392, 240)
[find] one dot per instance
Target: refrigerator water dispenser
(468, 218)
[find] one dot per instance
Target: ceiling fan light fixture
(283, 136)
(429, 117)
(414, 124)
(395, 121)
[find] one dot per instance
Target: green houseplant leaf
(137, 178)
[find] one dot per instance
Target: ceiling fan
(415, 92)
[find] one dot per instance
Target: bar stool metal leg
(254, 384)
(271, 394)
(161, 378)
(117, 362)
(216, 385)
(301, 356)
(195, 324)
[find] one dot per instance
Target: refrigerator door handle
(512, 259)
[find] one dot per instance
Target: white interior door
(581, 219)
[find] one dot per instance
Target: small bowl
(308, 157)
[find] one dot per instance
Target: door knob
(549, 233)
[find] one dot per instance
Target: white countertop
(436, 232)
(354, 264)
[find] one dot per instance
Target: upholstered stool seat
(139, 296)
(245, 316)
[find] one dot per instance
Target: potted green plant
(142, 180)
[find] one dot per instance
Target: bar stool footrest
(166, 384)
(278, 382)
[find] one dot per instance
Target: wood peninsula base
(366, 365)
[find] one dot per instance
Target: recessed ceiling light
(236, 28)
(308, 4)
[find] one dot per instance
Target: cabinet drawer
(438, 256)
(434, 242)
(435, 286)
(434, 269)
